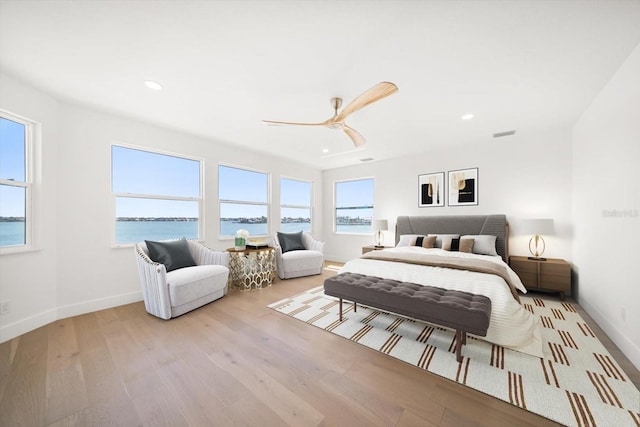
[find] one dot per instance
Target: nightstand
(370, 248)
(553, 274)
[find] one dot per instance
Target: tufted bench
(462, 311)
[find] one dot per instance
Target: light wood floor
(232, 362)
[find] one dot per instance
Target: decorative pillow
(483, 244)
(444, 240)
(291, 241)
(466, 245)
(457, 244)
(173, 254)
(408, 239)
(425, 241)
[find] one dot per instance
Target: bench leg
(459, 338)
(355, 307)
(341, 309)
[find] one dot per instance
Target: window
(244, 201)
(157, 196)
(15, 181)
(354, 206)
(295, 205)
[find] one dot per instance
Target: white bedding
(511, 325)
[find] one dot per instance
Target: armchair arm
(153, 278)
(204, 255)
(312, 244)
(274, 243)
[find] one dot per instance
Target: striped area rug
(577, 383)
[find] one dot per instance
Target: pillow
(483, 244)
(425, 241)
(408, 239)
(457, 244)
(466, 245)
(291, 241)
(173, 254)
(444, 240)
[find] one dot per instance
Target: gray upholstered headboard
(495, 225)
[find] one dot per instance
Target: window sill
(18, 250)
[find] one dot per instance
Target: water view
(12, 233)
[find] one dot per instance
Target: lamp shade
(380, 225)
(538, 226)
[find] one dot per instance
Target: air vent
(505, 133)
(366, 159)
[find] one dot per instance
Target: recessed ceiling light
(467, 116)
(153, 85)
(325, 150)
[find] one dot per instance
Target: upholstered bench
(462, 311)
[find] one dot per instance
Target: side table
(370, 248)
(554, 274)
(251, 268)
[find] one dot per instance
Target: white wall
(76, 269)
(524, 176)
(606, 206)
(28, 279)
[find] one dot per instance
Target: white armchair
(298, 263)
(170, 294)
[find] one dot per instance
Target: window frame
(244, 202)
(335, 206)
(310, 207)
(115, 196)
(30, 133)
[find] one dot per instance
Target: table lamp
(537, 227)
(379, 226)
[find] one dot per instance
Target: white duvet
(511, 325)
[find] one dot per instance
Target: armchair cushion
(173, 254)
(291, 241)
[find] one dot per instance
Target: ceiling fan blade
(376, 93)
(357, 139)
(273, 122)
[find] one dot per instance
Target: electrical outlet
(5, 308)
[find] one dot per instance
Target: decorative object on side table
(463, 187)
(380, 225)
(537, 227)
(241, 239)
(431, 190)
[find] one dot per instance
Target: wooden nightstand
(553, 274)
(370, 248)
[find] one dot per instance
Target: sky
(147, 173)
(141, 172)
(12, 167)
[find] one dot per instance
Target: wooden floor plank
(23, 401)
(232, 362)
(66, 393)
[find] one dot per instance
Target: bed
(482, 271)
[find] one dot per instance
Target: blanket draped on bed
(470, 264)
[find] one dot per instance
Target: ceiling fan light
(152, 85)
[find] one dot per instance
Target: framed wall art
(431, 190)
(463, 187)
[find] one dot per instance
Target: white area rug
(577, 383)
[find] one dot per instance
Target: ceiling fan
(376, 93)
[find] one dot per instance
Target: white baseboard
(15, 329)
(98, 304)
(23, 326)
(626, 346)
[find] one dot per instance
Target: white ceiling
(225, 65)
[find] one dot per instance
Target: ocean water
(12, 233)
